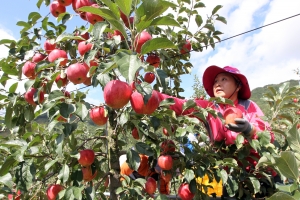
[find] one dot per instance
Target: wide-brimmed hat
(211, 72)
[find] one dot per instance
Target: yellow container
(217, 187)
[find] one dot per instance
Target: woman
(229, 83)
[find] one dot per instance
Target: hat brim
(212, 71)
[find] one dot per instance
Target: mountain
(257, 94)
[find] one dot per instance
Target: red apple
(138, 105)
(99, 115)
(295, 100)
(61, 82)
(117, 94)
(57, 54)
(153, 60)
(38, 57)
(65, 2)
(130, 22)
(29, 96)
(126, 20)
(29, 70)
(85, 35)
(49, 45)
(298, 112)
(140, 39)
(165, 132)
(77, 72)
(84, 47)
(88, 174)
(92, 18)
(149, 77)
(298, 126)
(61, 119)
(165, 162)
(87, 157)
(150, 185)
(231, 113)
(167, 146)
(88, 81)
(135, 133)
(184, 192)
(53, 191)
(186, 48)
(67, 94)
(56, 8)
(132, 84)
(80, 3)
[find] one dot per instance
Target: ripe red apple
(137, 103)
(140, 39)
(84, 47)
(87, 157)
(80, 3)
(38, 57)
(65, 2)
(99, 115)
(53, 191)
(167, 146)
(29, 70)
(184, 192)
(295, 100)
(88, 81)
(61, 119)
(57, 54)
(153, 60)
(165, 162)
(56, 8)
(130, 23)
(186, 47)
(85, 35)
(29, 96)
(149, 77)
(87, 173)
(165, 132)
(49, 45)
(135, 133)
(298, 112)
(67, 94)
(61, 82)
(298, 126)
(231, 113)
(117, 94)
(77, 72)
(126, 20)
(150, 185)
(92, 18)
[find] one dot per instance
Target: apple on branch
(184, 192)
(99, 115)
(56, 8)
(87, 157)
(53, 190)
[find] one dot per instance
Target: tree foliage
(34, 155)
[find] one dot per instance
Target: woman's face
(225, 86)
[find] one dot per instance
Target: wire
(224, 39)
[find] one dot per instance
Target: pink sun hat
(212, 71)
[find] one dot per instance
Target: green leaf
(222, 19)
(124, 5)
(39, 3)
(98, 30)
(215, 10)
(25, 173)
(67, 36)
(199, 5)
(189, 175)
(287, 165)
(64, 17)
(13, 87)
(157, 43)
(255, 184)
(66, 109)
(7, 180)
(133, 159)
(69, 128)
(164, 20)
(281, 196)
(9, 68)
(50, 164)
(144, 149)
(9, 162)
(7, 41)
(188, 104)
(55, 95)
(43, 65)
(293, 138)
(64, 173)
(45, 23)
(81, 110)
(29, 114)
(198, 20)
(8, 116)
(287, 188)
(24, 24)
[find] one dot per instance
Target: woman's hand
(241, 125)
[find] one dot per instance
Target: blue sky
(266, 56)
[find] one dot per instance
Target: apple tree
(128, 50)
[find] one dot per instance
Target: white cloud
(5, 34)
(267, 56)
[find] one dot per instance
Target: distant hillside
(257, 94)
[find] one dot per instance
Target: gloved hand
(242, 125)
